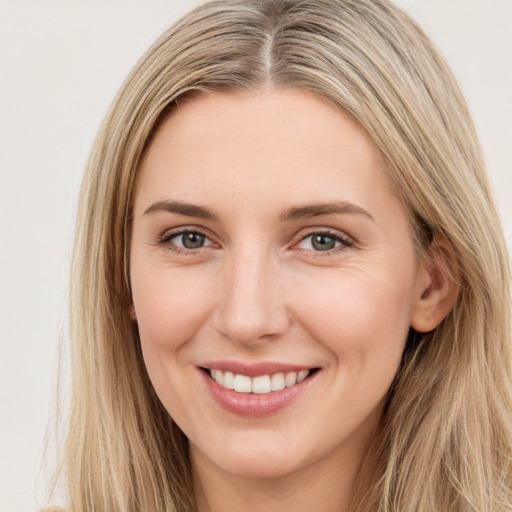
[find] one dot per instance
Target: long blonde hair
(446, 439)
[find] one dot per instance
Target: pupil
(193, 240)
(323, 242)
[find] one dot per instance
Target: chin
(259, 468)
(255, 462)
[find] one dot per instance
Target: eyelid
(345, 241)
(168, 235)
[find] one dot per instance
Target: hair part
(446, 435)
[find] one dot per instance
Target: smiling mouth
(261, 384)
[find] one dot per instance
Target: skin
(258, 290)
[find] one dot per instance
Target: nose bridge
(251, 306)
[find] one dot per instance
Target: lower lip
(252, 404)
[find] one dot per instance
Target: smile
(261, 384)
(256, 390)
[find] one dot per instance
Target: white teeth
(290, 379)
(243, 383)
(229, 380)
(278, 382)
(261, 385)
(301, 375)
(217, 376)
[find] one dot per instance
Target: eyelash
(165, 240)
(344, 242)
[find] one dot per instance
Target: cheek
(361, 317)
(170, 306)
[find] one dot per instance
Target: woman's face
(268, 247)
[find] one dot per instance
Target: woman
(290, 288)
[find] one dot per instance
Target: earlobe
(437, 289)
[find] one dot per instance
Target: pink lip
(254, 369)
(250, 404)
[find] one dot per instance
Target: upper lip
(255, 369)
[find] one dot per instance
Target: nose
(251, 307)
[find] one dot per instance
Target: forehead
(269, 117)
(273, 142)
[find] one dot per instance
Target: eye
(323, 242)
(186, 239)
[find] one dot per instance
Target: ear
(436, 287)
(131, 313)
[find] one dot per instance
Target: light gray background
(61, 63)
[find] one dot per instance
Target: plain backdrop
(61, 62)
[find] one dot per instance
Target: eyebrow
(189, 210)
(295, 213)
(316, 210)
